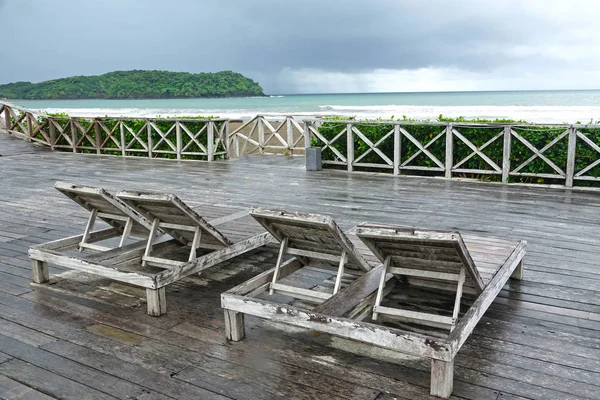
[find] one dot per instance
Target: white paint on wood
(390, 338)
(234, 325)
(157, 301)
(442, 378)
(134, 278)
(414, 315)
(282, 249)
(571, 149)
(39, 271)
(506, 148)
(397, 149)
(305, 294)
(349, 147)
(340, 272)
(518, 273)
(467, 323)
(459, 292)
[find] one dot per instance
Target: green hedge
(138, 127)
(538, 136)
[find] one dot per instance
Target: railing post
(52, 132)
(122, 131)
(178, 139)
(306, 133)
(29, 126)
(506, 153)
(73, 134)
(290, 135)
(210, 135)
(261, 134)
(225, 138)
(449, 151)
(572, 146)
(7, 119)
(397, 149)
(236, 144)
(149, 139)
(97, 136)
(350, 147)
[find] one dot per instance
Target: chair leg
(157, 301)
(151, 238)
(234, 325)
(340, 273)
(386, 267)
(442, 378)
(282, 250)
(39, 271)
(518, 272)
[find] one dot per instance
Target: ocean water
(532, 106)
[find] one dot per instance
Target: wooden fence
(259, 136)
(568, 153)
(341, 146)
(147, 137)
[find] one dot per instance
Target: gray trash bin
(313, 158)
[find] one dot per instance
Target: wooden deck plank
(539, 339)
(96, 380)
(10, 389)
(48, 382)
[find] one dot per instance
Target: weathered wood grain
(517, 350)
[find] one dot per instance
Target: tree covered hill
(136, 84)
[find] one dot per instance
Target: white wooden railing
(150, 137)
(447, 152)
(349, 133)
(259, 136)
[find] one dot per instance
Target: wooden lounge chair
(176, 242)
(311, 238)
(422, 263)
(306, 240)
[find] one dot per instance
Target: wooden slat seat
(425, 254)
(176, 218)
(171, 215)
(92, 197)
(311, 238)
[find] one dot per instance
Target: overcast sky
(310, 46)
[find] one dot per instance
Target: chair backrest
(176, 218)
(110, 209)
(310, 233)
(412, 250)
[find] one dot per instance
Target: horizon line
(436, 91)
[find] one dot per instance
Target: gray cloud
(280, 43)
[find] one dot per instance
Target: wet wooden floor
(84, 338)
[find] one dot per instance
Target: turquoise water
(533, 106)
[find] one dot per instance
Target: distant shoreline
(134, 98)
(541, 107)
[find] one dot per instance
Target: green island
(136, 84)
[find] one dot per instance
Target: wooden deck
(83, 337)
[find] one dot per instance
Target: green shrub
(485, 135)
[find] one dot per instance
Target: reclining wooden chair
(307, 240)
(122, 219)
(442, 260)
(311, 238)
(425, 261)
(167, 226)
